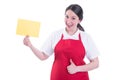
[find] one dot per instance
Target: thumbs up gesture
(72, 68)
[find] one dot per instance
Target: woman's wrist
(78, 68)
(30, 45)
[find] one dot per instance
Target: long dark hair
(78, 11)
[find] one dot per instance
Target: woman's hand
(27, 41)
(72, 68)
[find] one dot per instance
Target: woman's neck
(71, 31)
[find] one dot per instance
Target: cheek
(74, 23)
(65, 20)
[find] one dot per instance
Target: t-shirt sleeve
(47, 46)
(91, 49)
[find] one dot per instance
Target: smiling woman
(69, 45)
(101, 19)
(78, 14)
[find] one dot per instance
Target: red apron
(64, 51)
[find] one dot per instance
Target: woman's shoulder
(57, 33)
(84, 34)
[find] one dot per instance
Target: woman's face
(71, 19)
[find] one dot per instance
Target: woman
(70, 46)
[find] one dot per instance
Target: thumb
(71, 61)
(27, 36)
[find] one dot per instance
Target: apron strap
(79, 36)
(62, 37)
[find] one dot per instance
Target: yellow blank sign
(28, 27)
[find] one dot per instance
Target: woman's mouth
(69, 26)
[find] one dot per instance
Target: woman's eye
(73, 18)
(66, 16)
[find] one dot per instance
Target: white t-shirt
(90, 48)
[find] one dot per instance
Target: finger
(24, 41)
(68, 69)
(27, 36)
(71, 61)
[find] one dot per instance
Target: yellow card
(28, 27)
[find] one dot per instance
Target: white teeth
(69, 25)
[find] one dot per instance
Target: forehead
(70, 13)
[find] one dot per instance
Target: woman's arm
(72, 68)
(94, 63)
(37, 52)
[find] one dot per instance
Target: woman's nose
(69, 21)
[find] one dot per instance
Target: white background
(101, 21)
